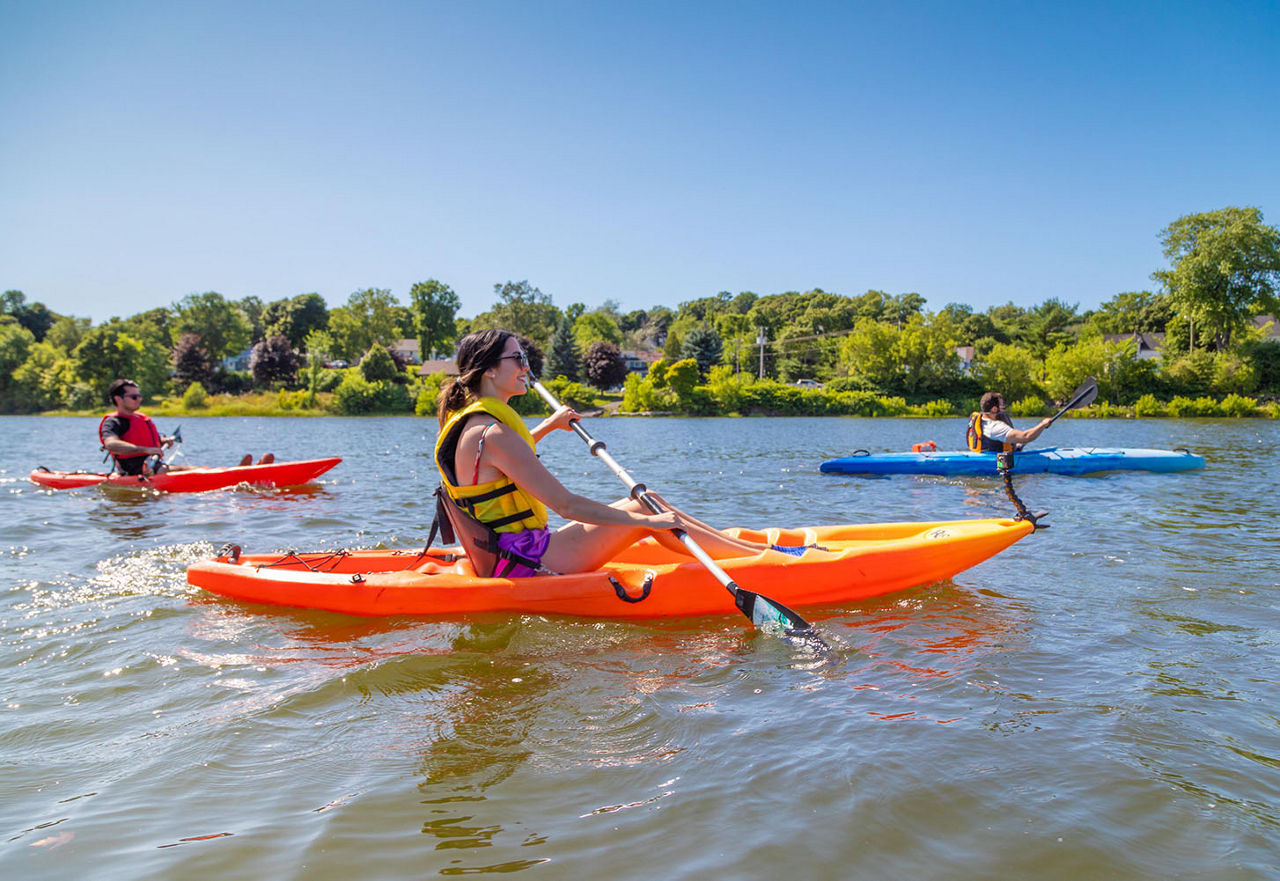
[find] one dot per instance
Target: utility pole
(760, 339)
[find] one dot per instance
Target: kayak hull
(1050, 460)
(859, 562)
(194, 479)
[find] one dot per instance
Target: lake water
(1102, 700)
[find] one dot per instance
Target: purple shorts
(531, 543)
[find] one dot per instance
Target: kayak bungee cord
(763, 612)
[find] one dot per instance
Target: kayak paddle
(159, 459)
(763, 612)
(1083, 396)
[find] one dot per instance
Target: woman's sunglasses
(519, 357)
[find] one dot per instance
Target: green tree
(434, 306)
(563, 355)
(295, 317)
(378, 364)
(368, 317)
(67, 332)
(926, 349)
(1009, 370)
(253, 310)
(221, 325)
(596, 326)
(1133, 312)
(45, 379)
(521, 309)
(704, 346)
(35, 317)
(108, 353)
(16, 343)
(1225, 267)
(869, 354)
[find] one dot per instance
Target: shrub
(1147, 405)
(194, 397)
(1182, 406)
(934, 409)
(1238, 405)
(356, 395)
(1028, 406)
(377, 364)
(574, 394)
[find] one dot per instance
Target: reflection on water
(1094, 702)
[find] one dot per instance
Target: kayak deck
(1050, 460)
(274, 474)
(859, 561)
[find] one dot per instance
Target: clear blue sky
(647, 152)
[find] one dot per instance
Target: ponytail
(477, 352)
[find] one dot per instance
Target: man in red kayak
(991, 430)
(132, 438)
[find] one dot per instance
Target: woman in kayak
(485, 455)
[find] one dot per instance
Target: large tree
(295, 317)
(564, 358)
(273, 361)
(1133, 312)
(605, 366)
(221, 325)
(521, 309)
(1225, 268)
(369, 316)
(191, 362)
(596, 326)
(108, 352)
(434, 306)
(704, 346)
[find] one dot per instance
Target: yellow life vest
(979, 442)
(498, 504)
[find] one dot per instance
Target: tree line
(728, 352)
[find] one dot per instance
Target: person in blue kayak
(132, 438)
(495, 492)
(991, 430)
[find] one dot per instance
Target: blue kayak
(1052, 460)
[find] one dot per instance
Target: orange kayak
(193, 480)
(854, 562)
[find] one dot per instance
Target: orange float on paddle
(853, 563)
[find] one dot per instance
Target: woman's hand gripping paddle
(764, 613)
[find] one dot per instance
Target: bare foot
(247, 460)
(267, 459)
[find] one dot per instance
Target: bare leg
(267, 459)
(582, 547)
(247, 460)
(712, 540)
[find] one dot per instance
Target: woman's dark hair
(477, 352)
(989, 400)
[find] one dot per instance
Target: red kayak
(194, 480)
